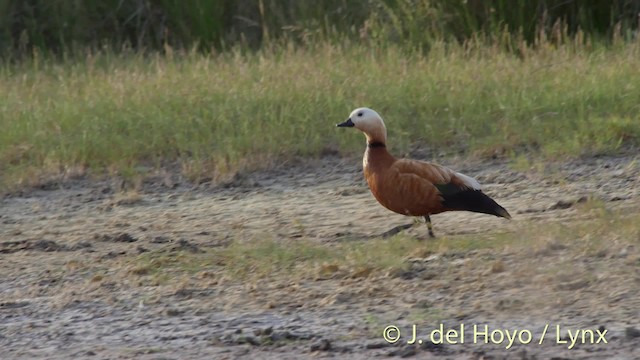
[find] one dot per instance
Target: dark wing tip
(504, 213)
(470, 200)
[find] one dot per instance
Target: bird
(413, 187)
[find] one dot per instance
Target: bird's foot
(396, 230)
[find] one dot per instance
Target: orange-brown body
(406, 186)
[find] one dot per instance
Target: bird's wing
(444, 179)
(411, 188)
(434, 188)
(430, 172)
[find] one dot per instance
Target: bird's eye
(359, 114)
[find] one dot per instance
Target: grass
(125, 114)
(606, 231)
(63, 25)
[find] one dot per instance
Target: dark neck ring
(376, 144)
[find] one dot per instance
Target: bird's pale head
(369, 122)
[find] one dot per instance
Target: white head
(369, 122)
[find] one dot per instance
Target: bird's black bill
(347, 123)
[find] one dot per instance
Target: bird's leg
(396, 230)
(429, 226)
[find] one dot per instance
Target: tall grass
(61, 25)
(217, 113)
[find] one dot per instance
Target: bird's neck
(376, 135)
(377, 158)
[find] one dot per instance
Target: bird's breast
(386, 191)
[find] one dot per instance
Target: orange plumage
(412, 187)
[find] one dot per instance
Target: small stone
(497, 267)
(404, 352)
(81, 245)
(160, 240)
(322, 345)
(631, 332)
(173, 312)
(263, 332)
(422, 304)
(124, 237)
(249, 339)
(46, 245)
(376, 345)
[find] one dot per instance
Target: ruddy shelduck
(413, 187)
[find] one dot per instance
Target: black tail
(474, 200)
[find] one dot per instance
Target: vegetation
(482, 80)
(275, 259)
(63, 25)
(218, 113)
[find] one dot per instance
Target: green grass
(124, 114)
(60, 26)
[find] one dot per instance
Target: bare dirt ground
(67, 289)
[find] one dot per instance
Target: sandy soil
(65, 291)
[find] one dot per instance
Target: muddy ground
(66, 291)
